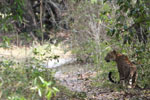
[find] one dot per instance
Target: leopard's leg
(129, 82)
(134, 79)
(122, 81)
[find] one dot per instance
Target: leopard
(127, 70)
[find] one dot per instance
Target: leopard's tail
(111, 80)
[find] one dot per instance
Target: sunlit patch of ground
(22, 53)
(15, 53)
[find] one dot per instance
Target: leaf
(39, 92)
(42, 80)
(55, 89)
(20, 19)
(49, 83)
(35, 81)
(49, 95)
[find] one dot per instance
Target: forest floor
(76, 80)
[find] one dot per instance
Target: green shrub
(27, 80)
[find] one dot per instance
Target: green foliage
(18, 81)
(5, 42)
(130, 16)
(127, 24)
(141, 52)
(18, 4)
(11, 11)
(16, 98)
(44, 88)
(43, 53)
(25, 37)
(92, 52)
(93, 1)
(28, 80)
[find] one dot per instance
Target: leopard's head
(111, 56)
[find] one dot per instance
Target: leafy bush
(121, 21)
(28, 80)
(131, 30)
(7, 14)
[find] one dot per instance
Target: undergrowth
(27, 80)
